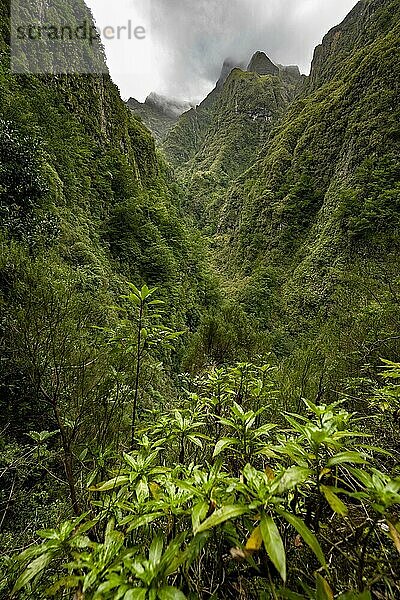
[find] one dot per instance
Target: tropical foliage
(200, 369)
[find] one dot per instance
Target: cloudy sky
(186, 41)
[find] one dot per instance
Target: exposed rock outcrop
(262, 65)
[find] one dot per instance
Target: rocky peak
(261, 64)
(227, 68)
(292, 70)
(229, 65)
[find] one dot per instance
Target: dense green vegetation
(193, 417)
(315, 221)
(86, 206)
(215, 142)
(227, 497)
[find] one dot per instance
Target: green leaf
(111, 484)
(237, 409)
(136, 522)
(199, 512)
(292, 477)
(146, 292)
(324, 591)
(156, 549)
(142, 491)
(305, 533)
(130, 460)
(346, 457)
(221, 515)
(273, 544)
(264, 430)
(134, 298)
(362, 476)
(375, 449)
(136, 594)
(255, 541)
(195, 440)
(223, 444)
(187, 487)
(34, 568)
(334, 501)
(366, 595)
(170, 593)
(394, 533)
(296, 426)
(173, 558)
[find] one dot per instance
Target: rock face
(214, 143)
(361, 27)
(228, 66)
(262, 65)
(237, 109)
(291, 72)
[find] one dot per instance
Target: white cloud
(187, 40)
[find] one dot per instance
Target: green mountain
(261, 64)
(312, 229)
(184, 140)
(87, 208)
(191, 417)
(158, 113)
(86, 205)
(81, 176)
(212, 144)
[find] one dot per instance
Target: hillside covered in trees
(200, 331)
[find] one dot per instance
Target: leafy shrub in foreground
(217, 502)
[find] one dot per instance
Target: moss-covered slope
(313, 226)
(213, 144)
(80, 176)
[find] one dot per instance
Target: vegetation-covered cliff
(158, 113)
(212, 144)
(312, 228)
(86, 207)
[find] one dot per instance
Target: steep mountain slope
(99, 422)
(85, 205)
(313, 226)
(158, 113)
(185, 140)
(261, 64)
(214, 143)
(75, 158)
